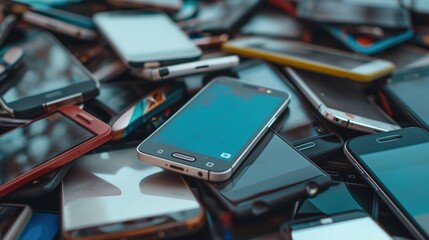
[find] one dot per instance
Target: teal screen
(220, 121)
(405, 172)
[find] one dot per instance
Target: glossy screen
(128, 190)
(25, 148)
(220, 121)
(404, 172)
(299, 123)
(413, 93)
(47, 67)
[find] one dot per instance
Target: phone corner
(220, 176)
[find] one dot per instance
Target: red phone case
(102, 131)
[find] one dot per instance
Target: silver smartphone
(183, 69)
(343, 103)
(111, 194)
(13, 219)
(143, 37)
(211, 135)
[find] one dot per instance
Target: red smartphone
(47, 143)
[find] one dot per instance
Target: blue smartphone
(365, 45)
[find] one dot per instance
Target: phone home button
(183, 157)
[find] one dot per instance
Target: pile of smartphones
(237, 119)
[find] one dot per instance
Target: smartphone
(145, 108)
(354, 225)
(219, 139)
(183, 69)
(159, 203)
(54, 139)
(346, 105)
(367, 45)
(42, 225)
(252, 192)
(40, 186)
(405, 56)
(165, 5)
(407, 89)
(13, 218)
(311, 57)
(220, 17)
(51, 78)
(348, 13)
(395, 165)
(299, 126)
(164, 41)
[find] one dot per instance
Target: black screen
(47, 67)
(23, 149)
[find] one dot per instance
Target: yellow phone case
(304, 64)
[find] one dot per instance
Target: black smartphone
(211, 135)
(13, 219)
(300, 126)
(345, 12)
(221, 16)
(395, 165)
(253, 192)
(407, 89)
(40, 186)
(162, 41)
(49, 78)
(354, 225)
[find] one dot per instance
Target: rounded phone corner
(216, 176)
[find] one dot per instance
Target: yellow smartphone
(311, 57)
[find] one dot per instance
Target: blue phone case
(377, 46)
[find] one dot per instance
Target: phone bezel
(20, 222)
(102, 133)
(369, 144)
(220, 170)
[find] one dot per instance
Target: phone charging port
(177, 168)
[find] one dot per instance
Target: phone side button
(183, 157)
(372, 183)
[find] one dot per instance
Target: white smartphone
(112, 195)
(343, 103)
(178, 70)
(142, 37)
(211, 135)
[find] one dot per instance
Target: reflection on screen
(299, 122)
(220, 121)
(47, 67)
(414, 94)
(324, 57)
(8, 216)
(356, 229)
(25, 148)
(346, 96)
(403, 171)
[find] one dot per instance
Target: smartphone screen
(339, 229)
(299, 50)
(348, 13)
(47, 67)
(400, 171)
(146, 37)
(346, 96)
(8, 217)
(113, 192)
(225, 117)
(300, 123)
(410, 89)
(23, 149)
